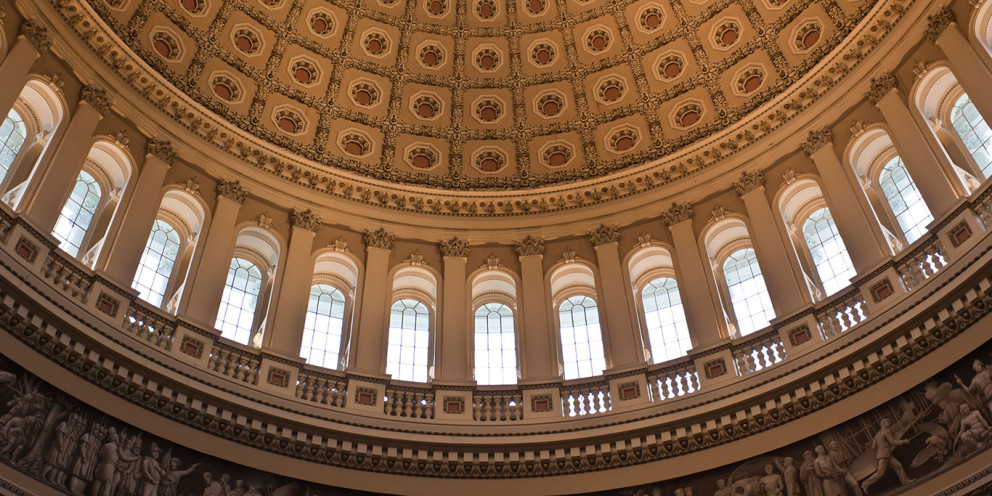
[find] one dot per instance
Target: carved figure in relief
(173, 475)
(127, 470)
(790, 475)
(974, 431)
(16, 434)
(830, 476)
(981, 384)
(253, 491)
(883, 443)
(62, 448)
(722, 489)
(842, 461)
(151, 471)
(807, 474)
(86, 457)
(238, 489)
(772, 483)
(106, 467)
(214, 487)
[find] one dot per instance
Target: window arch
(740, 281)
(157, 262)
(905, 200)
(652, 274)
(495, 345)
(236, 316)
(78, 213)
(974, 132)
(13, 132)
(324, 325)
(408, 352)
(581, 338)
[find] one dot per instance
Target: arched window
(581, 338)
(322, 330)
(157, 263)
(827, 249)
(668, 332)
(495, 345)
(77, 213)
(12, 134)
(748, 294)
(407, 353)
(907, 205)
(974, 132)
(236, 315)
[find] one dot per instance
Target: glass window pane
(237, 307)
(77, 213)
(155, 269)
(911, 212)
(748, 294)
(974, 132)
(582, 340)
(828, 251)
(323, 326)
(495, 346)
(668, 333)
(12, 134)
(409, 338)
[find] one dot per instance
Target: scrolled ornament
(36, 35)
(162, 149)
(379, 239)
(880, 87)
(749, 182)
(678, 212)
(454, 247)
(232, 190)
(938, 22)
(816, 140)
(304, 219)
(604, 235)
(529, 246)
(97, 98)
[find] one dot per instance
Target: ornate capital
(881, 86)
(379, 239)
(36, 34)
(232, 190)
(678, 212)
(96, 97)
(749, 182)
(604, 234)
(161, 149)
(304, 219)
(529, 246)
(938, 23)
(454, 247)
(816, 140)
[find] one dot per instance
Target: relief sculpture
(81, 451)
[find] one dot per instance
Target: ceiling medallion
(749, 79)
(430, 55)
(226, 87)
(549, 104)
(487, 58)
(670, 66)
(436, 8)
(726, 34)
(806, 35)
(487, 109)
(425, 105)
(196, 8)
(288, 120)
(556, 154)
(304, 71)
(687, 115)
(535, 7)
(375, 44)
(364, 93)
(622, 139)
(489, 160)
(486, 10)
(322, 23)
(650, 18)
(166, 44)
(598, 39)
(246, 39)
(422, 156)
(355, 143)
(543, 53)
(610, 90)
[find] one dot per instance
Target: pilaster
(16, 66)
(284, 327)
(369, 336)
(622, 338)
(540, 357)
(965, 63)
(453, 360)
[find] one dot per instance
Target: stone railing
(550, 401)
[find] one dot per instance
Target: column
(854, 217)
(284, 327)
(540, 358)
(371, 333)
(453, 361)
(52, 186)
(924, 164)
(206, 281)
(623, 340)
(786, 287)
(31, 41)
(965, 63)
(122, 252)
(702, 314)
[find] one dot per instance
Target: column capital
(529, 246)
(304, 219)
(938, 22)
(379, 239)
(749, 182)
(97, 98)
(232, 190)
(880, 87)
(454, 247)
(162, 149)
(816, 140)
(36, 34)
(604, 235)
(677, 213)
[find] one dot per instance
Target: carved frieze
(454, 247)
(604, 235)
(817, 139)
(379, 239)
(232, 190)
(881, 86)
(304, 219)
(749, 181)
(529, 246)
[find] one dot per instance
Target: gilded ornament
(232, 190)
(529, 246)
(677, 213)
(818, 138)
(379, 239)
(36, 34)
(304, 219)
(880, 87)
(162, 149)
(938, 22)
(454, 247)
(604, 235)
(749, 181)
(97, 98)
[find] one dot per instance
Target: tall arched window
(827, 249)
(77, 213)
(974, 132)
(407, 353)
(907, 205)
(12, 134)
(236, 315)
(157, 262)
(495, 345)
(668, 332)
(748, 294)
(324, 323)
(581, 338)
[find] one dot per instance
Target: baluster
(228, 364)
(212, 361)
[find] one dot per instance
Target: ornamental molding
(492, 263)
(36, 35)
(938, 22)
(191, 186)
(529, 246)
(454, 247)
(364, 183)
(749, 181)
(96, 98)
(604, 234)
(677, 213)
(379, 239)
(304, 219)
(232, 190)
(881, 86)
(817, 139)
(162, 149)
